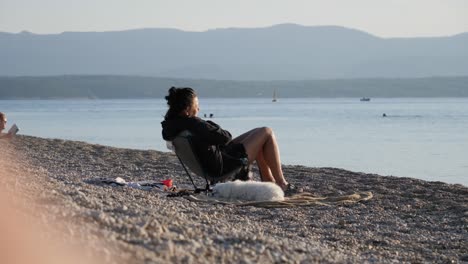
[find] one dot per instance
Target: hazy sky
(385, 18)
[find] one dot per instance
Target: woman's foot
(291, 190)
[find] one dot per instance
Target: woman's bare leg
(263, 140)
(265, 172)
(240, 138)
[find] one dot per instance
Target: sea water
(420, 138)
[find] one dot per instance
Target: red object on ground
(168, 182)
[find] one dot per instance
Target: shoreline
(356, 170)
(407, 220)
(166, 151)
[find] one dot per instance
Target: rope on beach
(298, 200)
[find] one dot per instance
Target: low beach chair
(183, 148)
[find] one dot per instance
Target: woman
(215, 146)
(3, 121)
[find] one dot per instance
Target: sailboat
(274, 96)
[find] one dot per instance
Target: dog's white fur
(250, 191)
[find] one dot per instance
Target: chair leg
(188, 174)
(207, 189)
(197, 190)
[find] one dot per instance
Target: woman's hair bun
(172, 95)
(172, 90)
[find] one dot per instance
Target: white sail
(274, 96)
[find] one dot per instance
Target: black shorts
(233, 155)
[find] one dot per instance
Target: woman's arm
(209, 132)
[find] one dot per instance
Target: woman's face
(193, 109)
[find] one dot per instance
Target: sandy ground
(407, 220)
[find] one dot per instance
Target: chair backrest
(184, 150)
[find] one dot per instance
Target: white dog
(250, 191)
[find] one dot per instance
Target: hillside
(281, 52)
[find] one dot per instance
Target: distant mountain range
(281, 52)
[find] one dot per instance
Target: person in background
(3, 122)
(215, 145)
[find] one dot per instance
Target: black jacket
(208, 139)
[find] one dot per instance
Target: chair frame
(183, 148)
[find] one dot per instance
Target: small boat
(365, 99)
(275, 99)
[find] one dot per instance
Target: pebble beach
(407, 220)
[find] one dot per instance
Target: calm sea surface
(420, 138)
